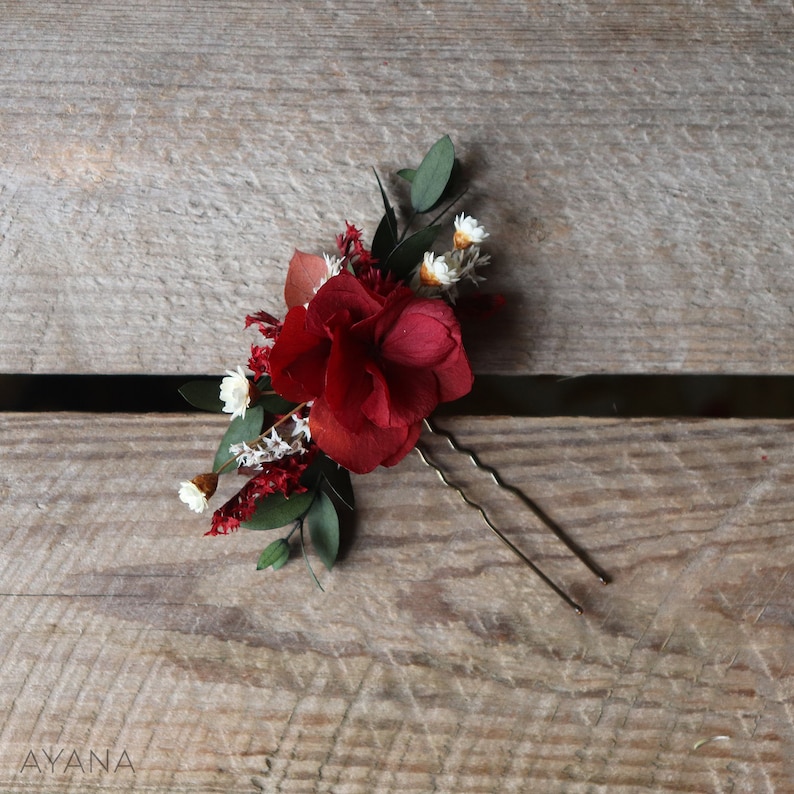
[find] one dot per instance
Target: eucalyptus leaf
(282, 562)
(277, 510)
(308, 564)
(408, 254)
(275, 555)
(276, 404)
(264, 384)
(433, 175)
(240, 429)
(324, 529)
(203, 394)
(273, 403)
(407, 173)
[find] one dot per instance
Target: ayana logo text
(68, 760)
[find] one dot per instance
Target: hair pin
(528, 502)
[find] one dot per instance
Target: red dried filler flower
(374, 365)
(281, 476)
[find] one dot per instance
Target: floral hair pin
(370, 345)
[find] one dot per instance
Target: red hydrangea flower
(375, 366)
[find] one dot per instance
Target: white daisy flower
(193, 497)
(195, 493)
(468, 232)
(235, 393)
(435, 271)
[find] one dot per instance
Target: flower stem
(449, 206)
(265, 433)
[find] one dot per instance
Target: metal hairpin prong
(603, 577)
(560, 592)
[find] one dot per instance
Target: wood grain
(433, 661)
(159, 162)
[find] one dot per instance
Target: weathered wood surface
(433, 661)
(159, 161)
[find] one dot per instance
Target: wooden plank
(161, 161)
(433, 661)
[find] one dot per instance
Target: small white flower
(275, 446)
(235, 393)
(468, 232)
(301, 430)
(334, 265)
(270, 448)
(193, 496)
(435, 271)
(197, 491)
(247, 457)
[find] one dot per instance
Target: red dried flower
(352, 249)
(258, 362)
(281, 476)
(374, 365)
(269, 326)
(375, 280)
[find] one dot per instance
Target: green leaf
(203, 394)
(276, 404)
(312, 476)
(386, 234)
(273, 403)
(408, 254)
(385, 238)
(277, 510)
(407, 173)
(324, 529)
(433, 174)
(338, 479)
(308, 564)
(276, 555)
(239, 430)
(325, 470)
(386, 205)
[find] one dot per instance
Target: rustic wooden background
(160, 161)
